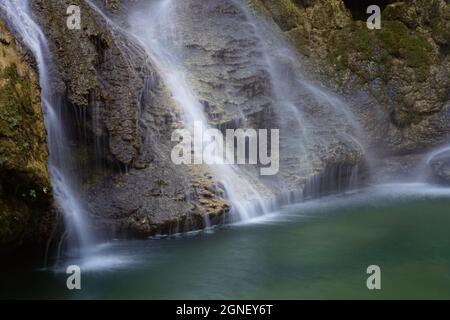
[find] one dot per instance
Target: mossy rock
(400, 43)
(440, 21)
(25, 190)
(285, 13)
(393, 41)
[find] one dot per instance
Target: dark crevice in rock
(445, 48)
(101, 45)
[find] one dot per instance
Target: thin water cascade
(306, 108)
(66, 191)
(439, 156)
(437, 152)
(158, 36)
(160, 40)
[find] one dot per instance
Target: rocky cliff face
(126, 117)
(25, 190)
(398, 77)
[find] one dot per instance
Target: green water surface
(315, 250)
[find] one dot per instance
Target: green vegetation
(15, 105)
(351, 47)
(359, 47)
(11, 100)
(399, 42)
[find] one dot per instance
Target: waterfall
(322, 117)
(154, 27)
(66, 191)
(436, 157)
(437, 152)
(312, 118)
(302, 108)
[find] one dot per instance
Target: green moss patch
(14, 101)
(399, 42)
(358, 46)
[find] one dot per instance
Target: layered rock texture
(25, 190)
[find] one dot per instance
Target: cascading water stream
(297, 102)
(437, 152)
(296, 96)
(313, 117)
(160, 40)
(61, 164)
(423, 168)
